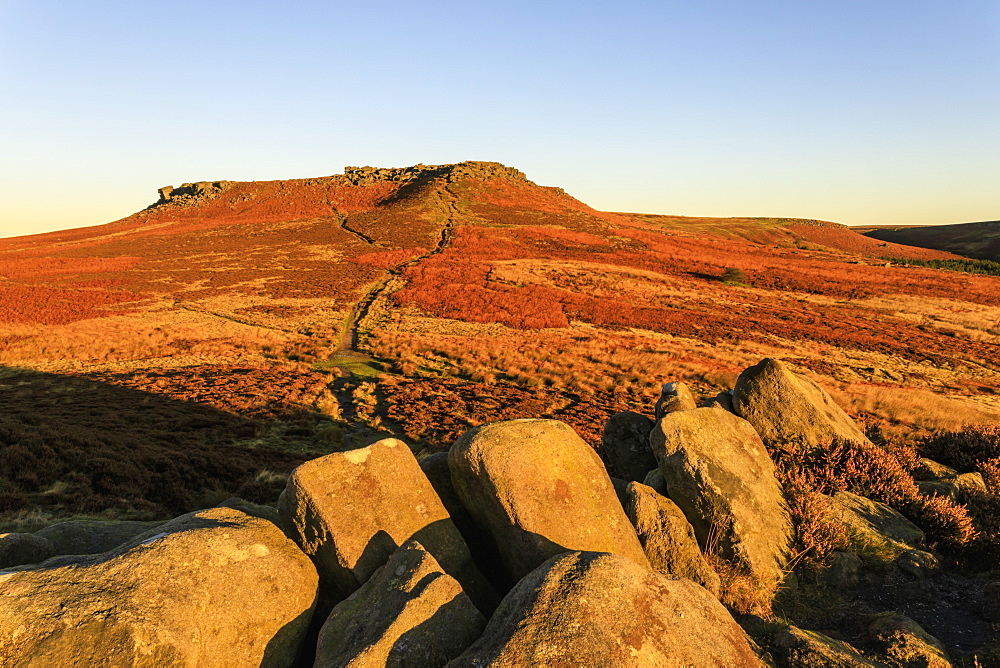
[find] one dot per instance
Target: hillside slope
(974, 240)
(418, 301)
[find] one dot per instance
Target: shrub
(965, 449)
(872, 471)
(816, 535)
(733, 276)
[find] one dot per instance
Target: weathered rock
(991, 601)
(667, 536)
(720, 475)
(92, 536)
(656, 480)
(594, 609)
(906, 643)
(269, 513)
(24, 548)
(917, 563)
(435, 467)
(788, 409)
(723, 400)
(625, 445)
(955, 487)
(484, 552)
(212, 588)
(350, 510)
(874, 524)
(844, 570)
(539, 490)
(674, 397)
(409, 613)
(809, 649)
(928, 469)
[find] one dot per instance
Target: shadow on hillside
(72, 445)
(414, 186)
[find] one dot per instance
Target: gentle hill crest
(975, 240)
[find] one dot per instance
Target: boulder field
(516, 548)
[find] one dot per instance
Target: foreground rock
(720, 475)
(410, 612)
(593, 609)
(211, 588)
(539, 490)
(625, 445)
(92, 536)
(809, 649)
(788, 409)
(667, 536)
(906, 643)
(350, 510)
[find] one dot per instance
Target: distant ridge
(980, 241)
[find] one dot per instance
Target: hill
(975, 240)
(243, 327)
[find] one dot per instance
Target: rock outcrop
(790, 410)
(625, 445)
(809, 649)
(92, 536)
(539, 490)
(350, 510)
(674, 397)
(24, 548)
(595, 609)
(719, 473)
(873, 523)
(907, 643)
(667, 536)
(215, 587)
(409, 613)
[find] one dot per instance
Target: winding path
(393, 279)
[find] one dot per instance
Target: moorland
(205, 346)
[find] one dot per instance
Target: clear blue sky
(861, 112)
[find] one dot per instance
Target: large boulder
(719, 473)
(874, 524)
(667, 536)
(596, 609)
(625, 445)
(484, 552)
(790, 410)
(23, 548)
(92, 536)
(906, 643)
(958, 487)
(211, 588)
(539, 490)
(350, 510)
(809, 649)
(409, 613)
(674, 397)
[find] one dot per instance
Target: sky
(873, 112)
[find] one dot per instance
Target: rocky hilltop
(518, 547)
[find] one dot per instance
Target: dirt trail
(342, 220)
(393, 280)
